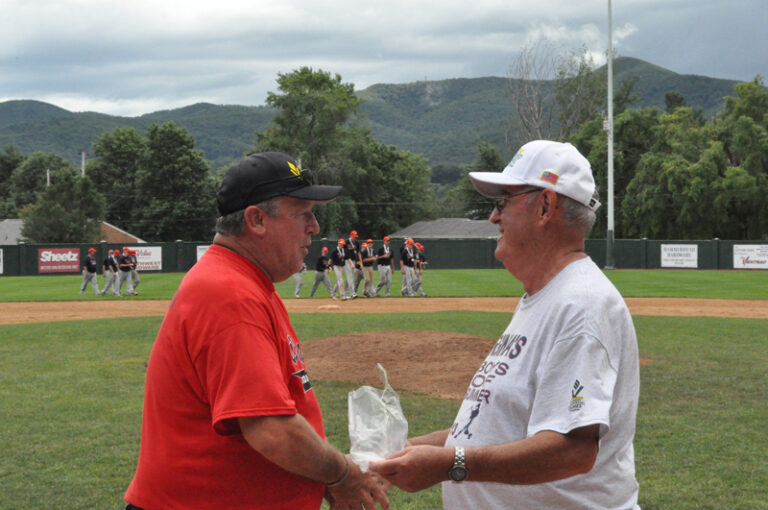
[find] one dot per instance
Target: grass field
(437, 283)
(71, 392)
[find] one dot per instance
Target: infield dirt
(15, 313)
(353, 357)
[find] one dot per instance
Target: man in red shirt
(230, 417)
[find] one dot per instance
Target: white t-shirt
(567, 359)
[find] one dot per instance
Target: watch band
(459, 457)
(458, 472)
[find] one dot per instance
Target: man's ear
(547, 205)
(255, 220)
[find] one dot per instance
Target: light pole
(608, 126)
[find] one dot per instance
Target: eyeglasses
(502, 202)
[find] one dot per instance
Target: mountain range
(441, 120)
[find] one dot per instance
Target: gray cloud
(147, 55)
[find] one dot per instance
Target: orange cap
(386, 238)
(342, 241)
(409, 241)
(353, 233)
(325, 248)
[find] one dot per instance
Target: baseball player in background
(350, 269)
(385, 262)
(134, 269)
(407, 268)
(89, 272)
(339, 263)
(354, 245)
(109, 270)
(298, 277)
(420, 262)
(124, 263)
(322, 268)
(368, 258)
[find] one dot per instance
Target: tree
(680, 177)
(555, 93)
(673, 100)
(119, 155)
(751, 100)
(656, 198)
(533, 67)
(633, 137)
(175, 194)
(28, 180)
(10, 159)
(463, 200)
(384, 189)
(446, 174)
(313, 110)
(744, 134)
(68, 211)
(401, 193)
(580, 92)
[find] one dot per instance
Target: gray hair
(232, 224)
(576, 215)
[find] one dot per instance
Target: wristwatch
(458, 473)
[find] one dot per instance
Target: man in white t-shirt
(548, 420)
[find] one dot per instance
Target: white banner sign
(1, 261)
(201, 251)
(750, 256)
(680, 255)
(149, 258)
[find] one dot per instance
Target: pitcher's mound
(437, 363)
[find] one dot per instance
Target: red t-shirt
(226, 349)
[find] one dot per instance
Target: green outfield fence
(36, 259)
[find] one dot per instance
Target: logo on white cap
(543, 164)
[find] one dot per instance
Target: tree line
(677, 175)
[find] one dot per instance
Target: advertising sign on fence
(58, 260)
(680, 255)
(149, 258)
(201, 250)
(750, 256)
(1, 261)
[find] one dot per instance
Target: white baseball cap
(543, 164)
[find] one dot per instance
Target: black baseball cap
(264, 175)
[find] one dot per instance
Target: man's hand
(415, 468)
(358, 489)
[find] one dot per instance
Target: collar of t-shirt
(552, 285)
(231, 258)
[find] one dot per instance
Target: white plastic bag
(377, 425)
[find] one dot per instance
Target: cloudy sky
(139, 56)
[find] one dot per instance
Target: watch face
(457, 474)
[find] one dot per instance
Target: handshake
(380, 454)
(416, 467)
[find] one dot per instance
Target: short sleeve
(575, 387)
(243, 376)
